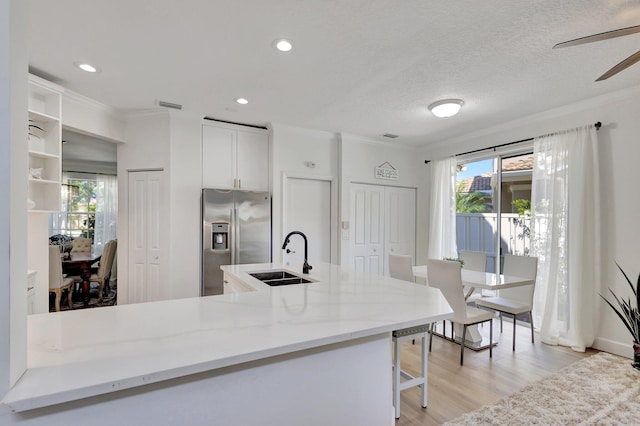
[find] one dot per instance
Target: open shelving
(45, 145)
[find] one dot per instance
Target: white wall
(147, 147)
(13, 184)
(291, 148)
(171, 141)
(185, 183)
(619, 154)
(84, 115)
(359, 157)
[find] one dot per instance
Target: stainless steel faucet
(305, 266)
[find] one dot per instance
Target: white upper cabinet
(45, 145)
(218, 157)
(253, 160)
(235, 158)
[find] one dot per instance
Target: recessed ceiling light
(86, 67)
(283, 45)
(242, 101)
(446, 107)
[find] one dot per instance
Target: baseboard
(613, 347)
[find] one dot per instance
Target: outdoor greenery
(81, 208)
(524, 210)
(523, 206)
(473, 202)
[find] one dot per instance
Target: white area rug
(600, 390)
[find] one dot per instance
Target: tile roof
(523, 162)
(476, 183)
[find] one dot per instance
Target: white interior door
(382, 221)
(307, 208)
(145, 277)
(400, 222)
(367, 224)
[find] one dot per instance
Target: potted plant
(628, 313)
(455, 259)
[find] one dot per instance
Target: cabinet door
(253, 161)
(218, 157)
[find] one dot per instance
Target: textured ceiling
(366, 67)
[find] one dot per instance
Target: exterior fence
(476, 232)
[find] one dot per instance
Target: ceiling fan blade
(621, 66)
(598, 37)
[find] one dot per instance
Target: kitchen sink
(276, 278)
(272, 275)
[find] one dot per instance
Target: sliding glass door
(493, 201)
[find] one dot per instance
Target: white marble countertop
(77, 354)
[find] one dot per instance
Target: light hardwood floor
(454, 390)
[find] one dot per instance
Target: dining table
(481, 280)
(80, 263)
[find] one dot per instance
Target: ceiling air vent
(390, 135)
(169, 105)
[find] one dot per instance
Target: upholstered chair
(104, 269)
(81, 245)
(57, 282)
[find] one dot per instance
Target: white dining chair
(446, 275)
(515, 301)
(474, 261)
(400, 267)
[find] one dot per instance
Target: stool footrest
(411, 330)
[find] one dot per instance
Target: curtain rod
(597, 125)
(89, 173)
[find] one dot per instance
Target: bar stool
(400, 268)
(421, 381)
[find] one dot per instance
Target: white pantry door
(382, 221)
(307, 208)
(400, 223)
(145, 283)
(367, 224)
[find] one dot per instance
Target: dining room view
(363, 217)
(85, 223)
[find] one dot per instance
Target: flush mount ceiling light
(242, 101)
(446, 107)
(86, 67)
(283, 45)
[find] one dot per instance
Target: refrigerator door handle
(232, 237)
(237, 229)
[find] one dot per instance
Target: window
(493, 202)
(77, 215)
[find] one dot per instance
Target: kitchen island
(316, 353)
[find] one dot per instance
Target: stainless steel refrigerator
(236, 229)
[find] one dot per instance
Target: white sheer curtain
(442, 209)
(106, 226)
(565, 236)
